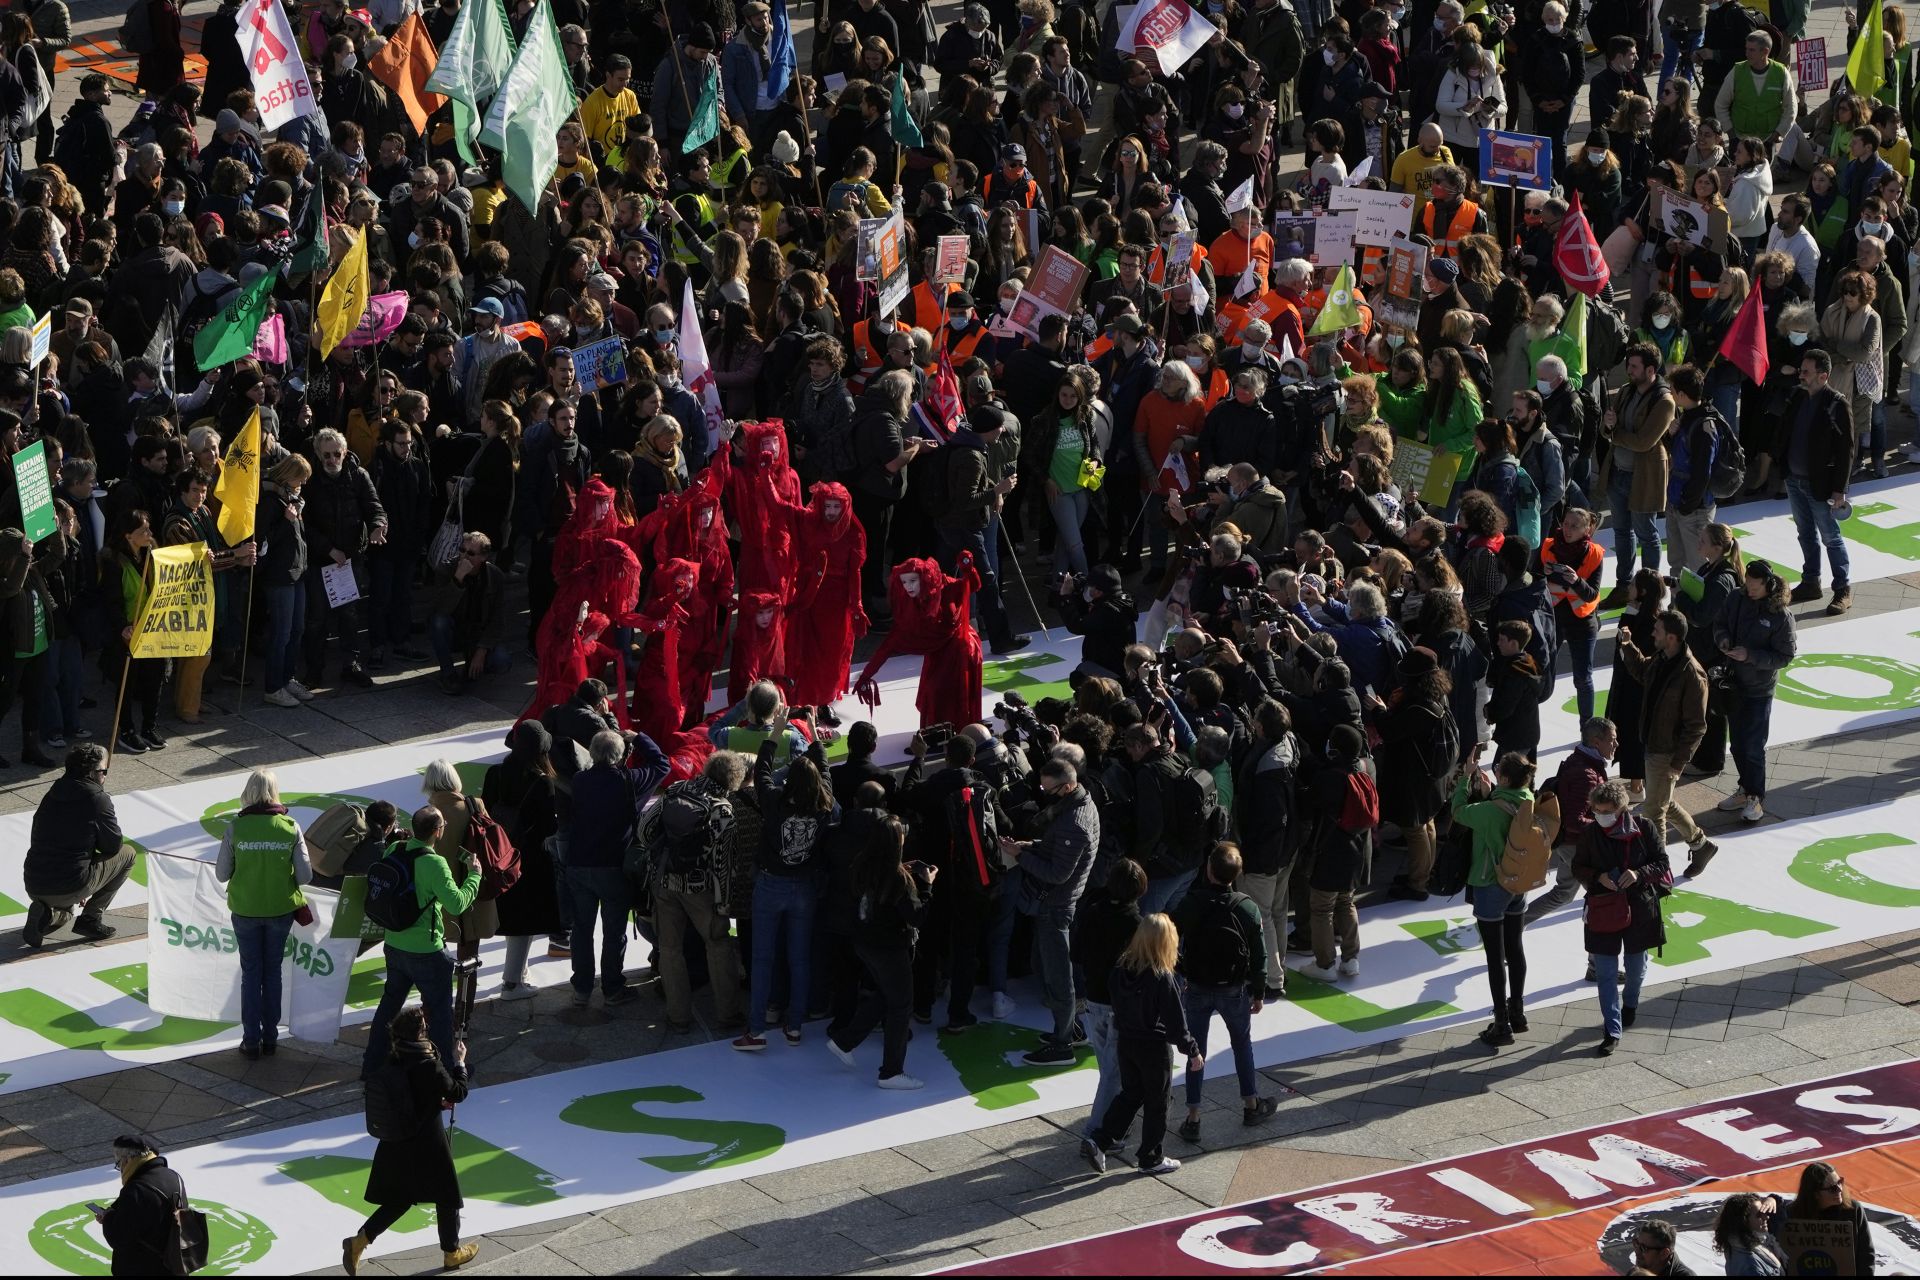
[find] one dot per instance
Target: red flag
(942, 408)
(1745, 345)
(1577, 254)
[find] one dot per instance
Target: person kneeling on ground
(467, 629)
(75, 856)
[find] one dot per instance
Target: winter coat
(1264, 795)
(419, 1169)
(140, 1226)
(1766, 631)
(1645, 435)
(1340, 857)
(1102, 929)
(74, 827)
(1054, 868)
(1413, 770)
(341, 511)
(283, 543)
(1147, 1006)
(1830, 443)
(1673, 708)
(1574, 783)
(1261, 514)
(1718, 584)
(1108, 625)
(1600, 852)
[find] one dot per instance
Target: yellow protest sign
(177, 619)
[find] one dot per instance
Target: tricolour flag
(478, 52)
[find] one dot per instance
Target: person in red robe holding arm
(659, 703)
(826, 617)
(600, 583)
(763, 497)
(930, 617)
(690, 525)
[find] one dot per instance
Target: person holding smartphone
(139, 1224)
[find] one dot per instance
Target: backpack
(1526, 507)
(1728, 476)
(335, 835)
(1195, 821)
(685, 835)
(1360, 810)
(392, 1115)
(1215, 950)
(1452, 862)
(190, 1224)
(393, 901)
(971, 829)
(70, 150)
(1530, 836)
(486, 840)
(136, 29)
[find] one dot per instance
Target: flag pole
(246, 638)
(686, 95)
(119, 701)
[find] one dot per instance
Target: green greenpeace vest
(1756, 112)
(263, 883)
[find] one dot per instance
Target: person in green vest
(417, 955)
(263, 862)
(1757, 99)
(1829, 213)
(759, 717)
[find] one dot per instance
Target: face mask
(1006, 306)
(664, 337)
(1662, 322)
(1196, 363)
(1250, 351)
(349, 62)
(1544, 387)
(1440, 25)
(1872, 228)
(1555, 28)
(957, 323)
(173, 208)
(413, 239)
(1235, 110)
(1607, 821)
(1395, 339)
(1326, 55)
(1798, 339)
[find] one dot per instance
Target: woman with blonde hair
(1850, 331)
(441, 782)
(1147, 1017)
(659, 466)
(263, 862)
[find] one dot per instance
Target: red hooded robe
(934, 623)
(826, 617)
(763, 497)
(604, 581)
(690, 525)
(659, 705)
(759, 652)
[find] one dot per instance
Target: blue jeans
(286, 623)
(1164, 891)
(1581, 636)
(263, 945)
(440, 635)
(783, 911)
(1606, 971)
(1877, 438)
(1069, 514)
(1236, 1010)
(1106, 1056)
(1814, 521)
(431, 974)
(1629, 525)
(1748, 732)
(65, 671)
(390, 610)
(1053, 961)
(603, 894)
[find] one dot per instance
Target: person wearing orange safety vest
(867, 353)
(964, 330)
(1240, 243)
(1449, 217)
(1011, 183)
(925, 301)
(1691, 273)
(1572, 564)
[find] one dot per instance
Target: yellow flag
(1867, 63)
(238, 490)
(177, 619)
(344, 300)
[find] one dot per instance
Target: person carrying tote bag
(1624, 868)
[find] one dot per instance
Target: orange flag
(403, 65)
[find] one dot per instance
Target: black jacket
(1829, 446)
(74, 827)
(140, 1226)
(283, 543)
(1263, 804)
(341, 511)
(405, 493)
(1107, 626)
(1147, 1006)
(1102, 929)
(1235, 432)
(969, 483)
(419, 1169)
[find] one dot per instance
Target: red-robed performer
(826, 616)
(602, 583)
(930, 618)
(759, 644)
(659, 704)
(763, 497)
(690, 525)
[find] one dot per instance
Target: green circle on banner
(213, 820)
(67, 1238)
(1903, 681)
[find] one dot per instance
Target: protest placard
(1054, 289)
(600, 364)
(35, 487)
(177, 619)
(1380, 217)
(1522, 160)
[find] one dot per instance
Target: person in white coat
(1750, 194)
(1471, 99)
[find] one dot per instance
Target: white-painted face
(832, 510)
(602, 508)
(910, 582)
(706, 517)
(763, 618)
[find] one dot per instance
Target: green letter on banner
(68, 1239)
(1695, 919)
(1824, 865)
(728, 1142)
(1903, 683)
(486, 1173)
(71, 1028)
(986, 1058)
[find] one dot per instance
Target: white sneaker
(1002, 1006)
(1318, 974)
(902, 1081)
(1350, 967)
(299, 690)
(519, 991)
(845, 1055)
(1167, 1165)
(281, 698)
(1754, 811)
(1733, 803)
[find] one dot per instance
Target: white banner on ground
(193, 955)
(532, 1151)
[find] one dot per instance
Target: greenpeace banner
(280, 83)
(193, 959)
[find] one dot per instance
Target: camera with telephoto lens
(937, 736)
(1251, 605)
(1018, 715)
(1083, 328)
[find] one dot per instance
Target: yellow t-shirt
(582, 165)
(605, 118)
(485, 200)
(1412, 173)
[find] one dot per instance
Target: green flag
(1340, 311)
(230, 334)
(310, 251)
(904, 130)
(704, 127)
(470, 68)
(1867, 63)
(534, 101)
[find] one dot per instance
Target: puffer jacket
(341, 510)
(1766, 631)
(1054, 868)
(1261, 514)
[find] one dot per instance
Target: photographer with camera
(1096, 606)
(956, 820)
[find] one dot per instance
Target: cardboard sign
(1294, 236)
(889, 243)
(1815, 1246)
(1399, 306)
(1690, 220)
(950, 265)
(1380, 217)
(1522, 160)
(1422, 469)
(1810, 65)
(1053, 290)
(35, 487)
(600, 364)
(1179, 254)
(1334, 240)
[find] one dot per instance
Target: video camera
(1018, 716)
(937, 736)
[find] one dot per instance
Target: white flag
(1247, 281)
(1286, 350)
(1172, 30)
(696, 370)
(280, 85)
(1242, 197)
(1361, 172)
(1196, 291)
